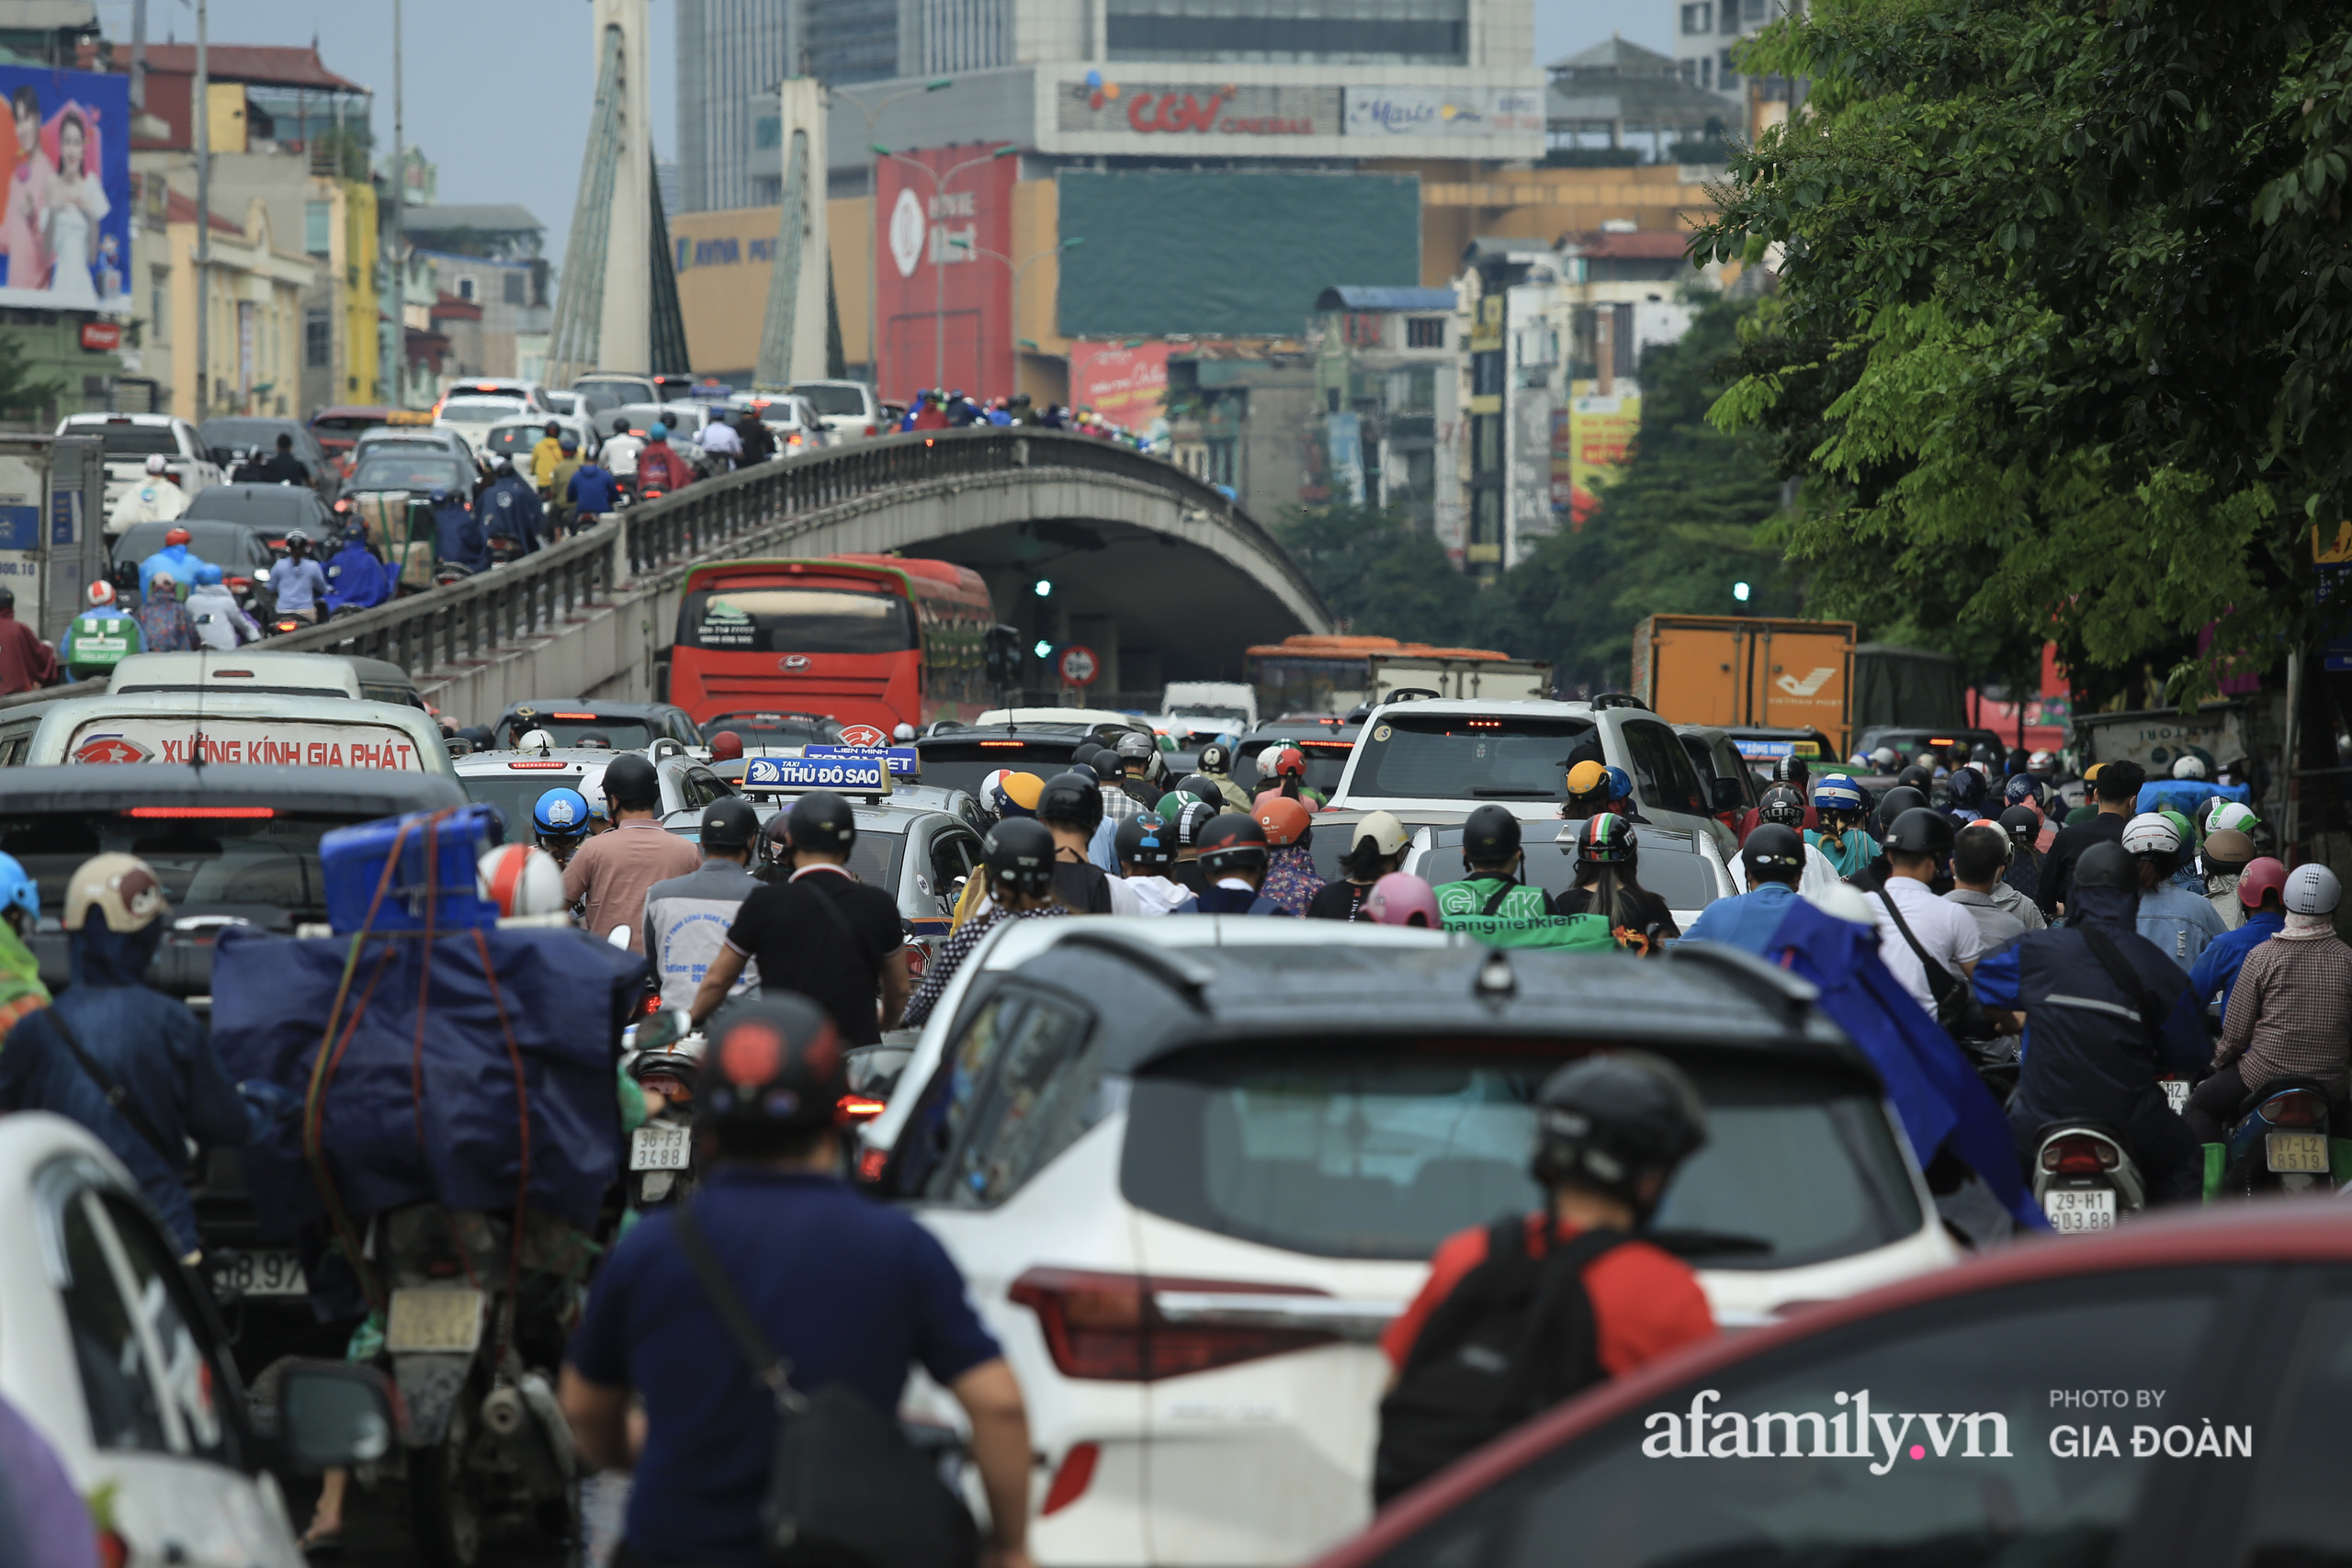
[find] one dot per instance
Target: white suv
(131, 438)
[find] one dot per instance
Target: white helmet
(2312, 890)
(2042, 765)
(903, 733)
(155, 464)
(1885, 758)
(2231, 814)
(2188, 766)
(538, 740)
(2151, 833)
(1270, 757)
(521, 880)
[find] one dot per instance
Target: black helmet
(1491, 837)
(1147, 840)
(1773, 851)
(729, 823)
(1107, 767)
(630, 782)
(775, 1065)
(1203, 786)
(1917, 777)
(1782, 804)
(1609, 840)
(1920, 831)
(1073, 800)
(1611, 1120)
(823, 821)
(1216, 758)
(1019, 852)
(1082, 754)
(2023, 825)
(1190, 819)
(2107, 865)
(1232, 841)
(1965, 788)
(1792, 771)
(775, 840)
(1898, 801)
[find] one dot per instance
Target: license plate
(2176, 1093)
(434, 1319)
(2297, 1150)
(272, 1273)
(658, 1146)
(2073, 1210)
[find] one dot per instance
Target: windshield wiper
(1697, 1244)
(1489, 793)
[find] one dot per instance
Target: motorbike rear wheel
(443, 1495)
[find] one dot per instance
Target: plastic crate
(352, 859)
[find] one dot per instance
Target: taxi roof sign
(903, 761)
(858, 773)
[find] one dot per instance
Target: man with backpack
(1517, 1316)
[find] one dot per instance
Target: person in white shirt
(720, 440)
(619, 454)
(1782, 805)
(155, 499)
(1942, 931)
(220, 623)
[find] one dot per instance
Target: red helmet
(178, 537)
(726, 745)
(100, 593)
(1283, 819)
(2263, 878)
(1290, 763)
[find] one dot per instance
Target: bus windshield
(797, 620)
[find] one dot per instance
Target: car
(271, 511)
(764, 731)
(1687, 869)
(1517, 754)
(394, 472)
(1909, 740)
(1760, 746)
(794, 424)
(1093, 719)
(1326, 748)
(256, 669)
(962, 757)
(225, 436)
(631, 727)
(614, 388)
(335, 429)
(328, 731)
(848, 408)
(533, 395)
(1192, 1166)
(243, 553)
(512, 782)
(429, 437)
(130, 439)
(2168, 1394)
(913, 844)
(471, 417)
(1731, 784)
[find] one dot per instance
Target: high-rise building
(731, 54)
(1706, 33)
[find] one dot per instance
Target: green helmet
(1172, 804)
(2180, 823)
(2231, 814)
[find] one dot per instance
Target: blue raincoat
(455, 535)
(354, 577)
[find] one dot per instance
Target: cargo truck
(1741, 671)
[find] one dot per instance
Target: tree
(20, 395)
(2062, 317)
(1380, 575)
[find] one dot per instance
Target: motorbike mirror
(333, 1414)
(617, 936)
(663, 1030)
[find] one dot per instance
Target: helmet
(730, 823)
(155, 464)
(1386, 833)
(1400, 899)
(2109, 865)
(535, 740)
(1491, 837)
(1615, 1120)
(296, 536)
(1106, 765)
(2021, 788)
(1145, 839)
(2041, 764)
(2188, 766)
(1082, 755)
(2022, 823)
(120, 888)
(177, 537)
(630, 783)
(1215, 758)
(99, 593)
(726, 745)
(1072, 799)
(2312, 890)
(1190, 818)
(1588, 777)
(620, 425)
(1782, 805)
(1836, 791)
(1199, 787)
(1965, 788)
(1620, 784)
(1232, 841)
(1791, 770)
(2180, 823)
(1019, 854)
(17, 890)
(775, 1065)
(902, 732)
(1014, 794)
(1283, 819)
(1774, 849)
(2149, 835)
(1918, 778)
(1883, 759)
(1898, 801)
(522, 879)
(1281, 761)
(561, 813)
(1610, 841)
(2264, 877)
(821, 821)
(2231, 814)
(1136, 747)
(657, 431)
(1175, 800)
(2228, 850)
(1920, 831)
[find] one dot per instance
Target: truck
(1736, 672)
(1209, 706)
(2226, 735)
(1483, 678)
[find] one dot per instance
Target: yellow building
(254, 305)
(354, 351)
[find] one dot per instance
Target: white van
(265, 727)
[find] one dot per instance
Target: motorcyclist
(658, 466)
(567, 464)
(1400, 899)
(221, 622)
(20, 984)
(1979, 855)
(510, 509)
(1192, 818)
(842, 1293)
(299, 584)
(157, 497)
(1891, 807)
(545, 453)
(2290, 1013)
(620, 450)
(2260, 894)
(458, 538)
(1609, 885)
(1491, 860)
(591, 492)
(246, 468)
(1111, 776)
(560, 822)
(1070, 806)
(1375, 850)
(2180, 922)
(1841, 808)
(1139, 761)
(1610, 1132)
(2022, 823)
(1772, 859)
(613, 870)
(1926, 943)
(1216, 765)
(2225, 857)
(1781, 805)
(176, 558)
(2104, 1012)
(130, 1063)
(1292, 880)
(1019, 861)
(687, 918)
(1964, 794)
(1147, 845)
(2117, 786)
(721, 444)
(100, 636)
(1594, 787)
(1790, 773)
(164, 626)
(1233, 862)
(357, 577)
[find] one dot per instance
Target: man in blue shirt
(592, 494)
(845, 1290)
(1774, 858)
(2261, 889)
(299, 582)
(2180, 922)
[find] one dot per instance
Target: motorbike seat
(2253, 1099)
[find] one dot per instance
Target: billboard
(1124, 384)
(1445, 111)
(1600, 439)
(944, 293)
(1190, 110)
(65, 229)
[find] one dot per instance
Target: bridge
(1158, 573)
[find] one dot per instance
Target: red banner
(943, 295)
(1124, 386)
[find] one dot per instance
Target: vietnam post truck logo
(1882, 1439)
(1809, 685)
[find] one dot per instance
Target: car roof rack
(1601, 700)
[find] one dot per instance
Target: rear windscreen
(775, 729)
(797, 620)
(130, 440)
(962, 765)
(269, 864)
(1463, 756)
(622, 733)
(515, 795)
(1684, 881)
(832, 400)
(1387, 1150)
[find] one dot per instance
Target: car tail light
(2079, 1154)
(1071, 1479)
(184, 811)
(652, 1005)
(870, 429)
(113, 1551)
(870, 1163)
(860, 1107)
(2295, 1108)
(1109, 1328)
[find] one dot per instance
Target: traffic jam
(1376, 1113)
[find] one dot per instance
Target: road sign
(863, 735)
(1078, 665)
(860, 774)
(901, 759)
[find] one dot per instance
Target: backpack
(1515, 1337)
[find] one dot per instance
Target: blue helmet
(657, 431)
(18, 891)
(2021, 788)
(1836, 791)
(561, 813)
(1621, 784)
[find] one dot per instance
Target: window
(1486, 373)
(1222, 464)
(1420, 390)
(318, 227)
(1485, 442)
(517, 289)
(159, 301)
(465, 288)
(1698, 18)
(953, 856)
(2291, 1521)
(318, 338)
(1663, 776)
(1025, 1081)
(1420, 474)
(1727, 17)
(1756, 12)
(1706, 73)
(1135, 30)
(1966, 1463)
(193, 1378)
(1727, 73)
(118, 1385)
(1425, 332)
(1450, 755)
(797, 620)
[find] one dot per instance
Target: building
(1387, 371)
(1618, 90)
(1707, 34)
(1242, 414)
(486, 256)
(731, 54)
(254, 294)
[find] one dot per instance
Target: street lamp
(873, 200)
(938, 268)
(1018, 268)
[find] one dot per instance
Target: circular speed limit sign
(1078, 665)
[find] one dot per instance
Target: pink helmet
(1400, 899)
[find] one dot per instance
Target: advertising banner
(1601, 438)
(65, 229)
(1187, 110)
(943, 299)
(1123, 385)
(1444, 111)
(162, 738)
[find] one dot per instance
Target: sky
(496, 93)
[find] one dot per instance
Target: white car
(131, 438)
(516, 438)
(470, 418)
(850, 410)
(1192, 1167)
(533, 394)
(1411, 755)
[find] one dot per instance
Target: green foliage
(2063, 310)
(19, 393)
(1380, 575)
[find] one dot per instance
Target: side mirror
(1728, 796)
(333, 1414)
(663, 1030)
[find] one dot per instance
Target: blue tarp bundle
(456, 1143)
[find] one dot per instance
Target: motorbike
(2279, 1141)
(2084, 1178)
(664, 1056)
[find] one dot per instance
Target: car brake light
(186, 811)
(2079, 1156)
(1071, 1479)
(2294, 1108)
(549, 764)
(1109, 1328)
(870, 1163)
(859, 1107)
(871, 431)
(589, 716)
(1015, 744)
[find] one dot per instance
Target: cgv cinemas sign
(1189, 109)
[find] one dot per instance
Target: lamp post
(873, 200)
(939, 180)
(1018, 268)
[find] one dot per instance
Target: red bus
(862, 639)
